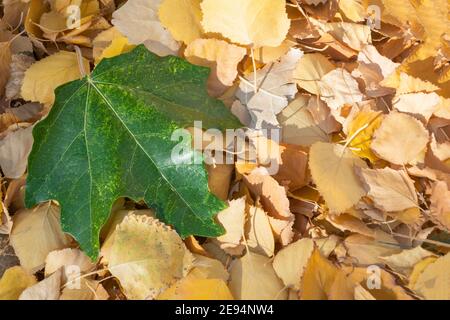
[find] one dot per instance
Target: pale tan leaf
(14, 151)
(232, 219)
(433, 282)
(253, 278)
(291, 261)
(37, 232)
(310, 70)
(390, 190)
(332, 169)
(147, 257)
(47, 289)
(401, 139)
(259, 236)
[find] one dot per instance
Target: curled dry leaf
(147, 257)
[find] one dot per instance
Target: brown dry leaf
(401, 139)
(182, 18)
(298, 124)
(440, 205)
(14, 281)
(272, 196)
(37, 232)
(249, 22)
(47, 289)
(332, 169)
(19, 64)
(259, 236)
(221, 56)
(44, 76)
(388, 287)
(147, 257)
(253, 278)
(291, 261)
(390, 190)
(14, 151)
(293, 167)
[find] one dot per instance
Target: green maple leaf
(108, 136)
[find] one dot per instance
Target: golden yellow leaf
(249, 22)
(192, 288)
(14, 281)
(353, 10)
(182, 18)
(44, 76)
(361, 130)
(117, 46)
(332, 169)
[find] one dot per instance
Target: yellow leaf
(332, 169)
(322, 280)
(249, 22)
(353, 10)
(433, 282)
(361, 130)
(147, 256)
(13, 282)
(401, 139)
(117, 46)
(44, 76)
(192, 288)
(182, 18)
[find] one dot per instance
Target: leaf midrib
(109, 104)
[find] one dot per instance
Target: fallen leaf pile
(358, 207)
